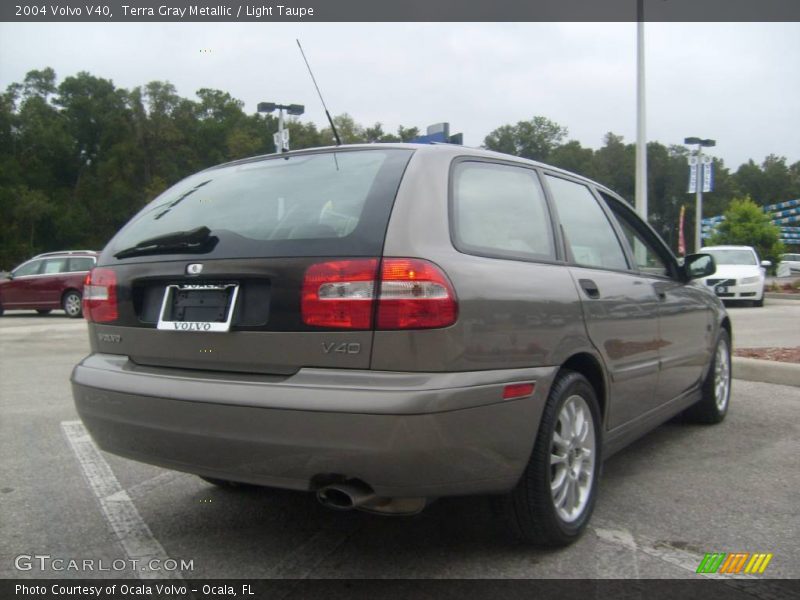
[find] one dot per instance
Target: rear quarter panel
(512, 314)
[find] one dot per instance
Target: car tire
(570, 432)
(228, 485)
(716, 391)
(759, 303)
(71, 303)
(2, 310)
(43, 311)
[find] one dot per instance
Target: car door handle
(590, 288)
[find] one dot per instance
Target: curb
(766, 371)
(779, 295)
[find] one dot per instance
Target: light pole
(641, 136)
(698, 216)
(281, 138)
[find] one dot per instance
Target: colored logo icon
(734, 563)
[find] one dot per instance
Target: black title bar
(121, 11)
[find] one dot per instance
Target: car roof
(453, 150)
(66, 253)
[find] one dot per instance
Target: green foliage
(534, 139)
(746, 224)
(80, 157)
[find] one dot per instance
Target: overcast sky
(738, 83)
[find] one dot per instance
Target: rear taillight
(411, 294)
(415, 294)
(339, 294)
(100, 296)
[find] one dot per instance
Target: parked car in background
(48, 281)
(387, 324)
(792, 261)
(739, 276)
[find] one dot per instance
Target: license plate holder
(198, 307)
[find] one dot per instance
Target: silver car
(384, 325)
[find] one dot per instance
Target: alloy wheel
(572, 459)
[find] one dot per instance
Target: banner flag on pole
(708, 174)
(692, 175)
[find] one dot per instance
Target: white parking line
(689, 561)
(127, 524)
(685, 559)
(148, 485)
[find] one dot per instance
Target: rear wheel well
(67, 291)
(726, 325)
(588, 366)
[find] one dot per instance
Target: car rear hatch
(217, 272)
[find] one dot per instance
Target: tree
(746, 224)
(769, 183)
(573, 157)
(406, 134)
(534, 139)
(778, 182)
(349, 131)
(614, 165)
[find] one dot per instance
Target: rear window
(300, 205)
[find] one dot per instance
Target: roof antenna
(333, 127)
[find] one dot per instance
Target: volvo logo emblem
(194, 269)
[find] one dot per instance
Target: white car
(792, 261)
(739, 274)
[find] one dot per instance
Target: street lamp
(698, 216)
(281, 138)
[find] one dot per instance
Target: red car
(48, 281)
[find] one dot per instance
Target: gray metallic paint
(405, 434)
(417, 413)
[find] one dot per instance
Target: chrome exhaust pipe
(346, 496)
(358, 495)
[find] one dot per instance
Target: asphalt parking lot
(664, 502)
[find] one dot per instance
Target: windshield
(732, 256)
(339, 200)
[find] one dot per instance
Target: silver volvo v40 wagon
(383, 325)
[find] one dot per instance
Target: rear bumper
(404, 434)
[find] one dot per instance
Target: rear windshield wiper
(194, 240)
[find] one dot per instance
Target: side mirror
(766, 263)
(696, 266)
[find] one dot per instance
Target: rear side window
(588, 231)
(80, 264)
(500, 211)
(54, 265)
(300, 205)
